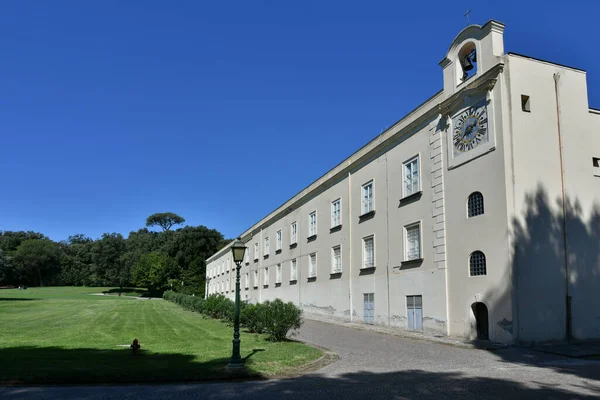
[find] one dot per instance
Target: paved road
(379, 366)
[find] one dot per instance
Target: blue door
(414, 312)
(369, 308)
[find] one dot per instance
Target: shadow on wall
(541, 291)
(540, 273)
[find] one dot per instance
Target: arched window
(467, 60)
(475, 204)
(477, 264)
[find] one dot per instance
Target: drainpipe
(564, 212)
(350, 243)
(387, 227)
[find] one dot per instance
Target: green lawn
(66, 335)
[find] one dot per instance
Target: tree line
(169, 259)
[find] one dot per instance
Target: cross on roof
(467, 16)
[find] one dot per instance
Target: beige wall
(521, 232)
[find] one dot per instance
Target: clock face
(470, 129)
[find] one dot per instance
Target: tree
(7, 270)
(37, 257)
(108, 267)
(76, 263)
(164, 220)
(190, 247)
(154, 271)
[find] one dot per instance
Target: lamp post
(238, 249)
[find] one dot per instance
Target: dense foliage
(154, 260)
(274, 318)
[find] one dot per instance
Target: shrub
(219, 307)
(254, 318)
(280, 318)
(274, 318)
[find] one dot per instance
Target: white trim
(311, 231)
(293, 235)
(310, 275)
(333, 271)
(362, 260)
(419, 176)
(362, 197)
(333, 224)
(294, 274)
(405, 236)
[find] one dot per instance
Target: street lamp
(238, 249)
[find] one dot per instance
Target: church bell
(467, 65)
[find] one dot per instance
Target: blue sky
(113, 110)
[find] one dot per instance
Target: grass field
(66, 335)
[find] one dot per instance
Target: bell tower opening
(467, 57)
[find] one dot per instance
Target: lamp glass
(238, 249)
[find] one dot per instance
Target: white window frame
(278, 240)
(406, 191)
(266, 253)
(255, 278)
(247, 280)
(256, 255)
(336, 219)
(293, 269)
(228, 263)
(312, 272)
(266, 276)
(312, 223)
(294, 232)
(367, 199)
(406, 245)
(278, 273)
(247, 255)
(364, 264)
(336, 269)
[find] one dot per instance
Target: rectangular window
(368, 252)
(266, 276)
(414, 313)
(312, 224)
(596, 165)
(411, 177)
(368, 308)
(266, 246)
(294, 233)
(278, 240)
(227, 290)
(228, 261)
(336, 213)
(293, 270)
(247, 280)
(336, 260)
(247, 255)
(255, 251)
(255, 278)
(412, 242)
(367, 198)
(525, 104)
(278, 273)
(312, 265)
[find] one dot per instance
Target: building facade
(476, 215)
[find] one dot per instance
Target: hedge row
(274, 318)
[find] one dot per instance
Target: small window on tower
(525, 104)
(468, 61)
(596, 165)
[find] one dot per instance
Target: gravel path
(379, 366)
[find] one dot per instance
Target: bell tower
(474, 51)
